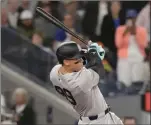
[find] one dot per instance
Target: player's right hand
(95, 48)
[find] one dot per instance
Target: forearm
(120, 38)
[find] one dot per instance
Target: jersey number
(67, 94)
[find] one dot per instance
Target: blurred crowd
(17, 109)
(122, 28)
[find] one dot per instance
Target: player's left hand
(100, 51)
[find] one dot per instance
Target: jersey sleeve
(88, 79)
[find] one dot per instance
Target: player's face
(75, 64)
(115, 7)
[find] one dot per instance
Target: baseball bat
(59, 24)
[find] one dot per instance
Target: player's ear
(66, 62)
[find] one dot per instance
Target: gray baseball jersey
(81, 90)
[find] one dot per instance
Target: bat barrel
(56, 22)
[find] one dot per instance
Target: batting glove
(94, 47)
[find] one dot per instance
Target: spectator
(143, 19)
(49, 42)
(130, 41)
(13, 15)
(71, 7)
(24, 6)
(43, 25)
(55, 9)
(38, 39)
(92, 20)
(26, 27)
(129, 121)
(53, 6)
(42, 4)
(23, 112)
(5, 117)
(61, 35)
(110, 22)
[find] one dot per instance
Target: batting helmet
(68, 50)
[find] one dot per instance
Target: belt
(96, 116)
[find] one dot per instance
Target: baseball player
(78, 83)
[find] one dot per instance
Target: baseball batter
(78, 83)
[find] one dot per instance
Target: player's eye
(79, 60)
(76, 62)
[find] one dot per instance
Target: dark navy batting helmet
(68, 50)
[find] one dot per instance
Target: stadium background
(27, 64)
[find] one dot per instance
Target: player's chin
(79, 67)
